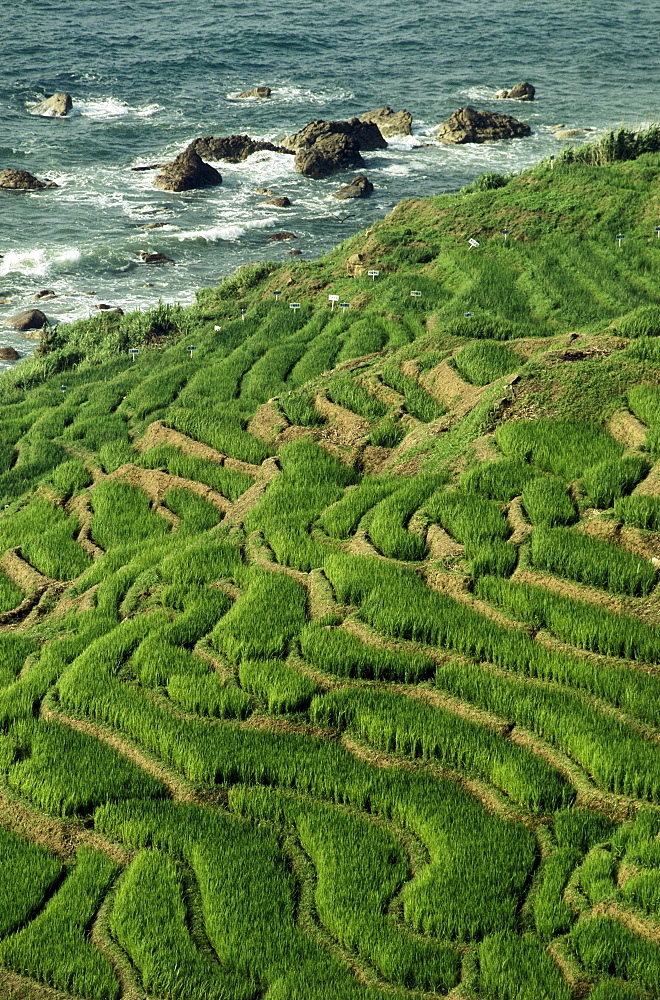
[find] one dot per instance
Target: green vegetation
(321, 749)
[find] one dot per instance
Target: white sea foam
(297, 95)
(228, 231)
(111, 107)
(36, 263)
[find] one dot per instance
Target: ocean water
(148, 76)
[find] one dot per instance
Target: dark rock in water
(21, 180)
(29, 319)
(282, 202)
(294, 253)
(389, 122)
(360, 187)
(153, 225)
(54, 107)
(327, 156)
(468, 125)
(278, 237)
(186, 172)
(256, 92)
(104, 307)
(45, 293)
(154, 258)
(365, 135)
(232, 148)
(9, 354)
(150, 166)
(521, 92)
(266, 191)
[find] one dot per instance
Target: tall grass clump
(345, 391)
(483, 361)
(548, 503)
(122, 514)
(229, 482)
(565, 448)
(644, 402)
(609, 480)
(577, 556)
(468, 518)
(150, 921)
(419, 402)
(71, 477)
(604, 945)
(499, 480)
(28, 872)
(201, 562)
(279, 684)
(194, 512)
(387, 528)
(207, 695)
(54, 948)
(644, 321)
(10, 593)
(519, 968)
(275, 601)
(639, 511)
(340, 652)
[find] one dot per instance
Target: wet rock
(294, 253)
(389, 122)
(29, 319)
(521, 92)
(468, 125)
(359, 187)
(282, 202)
(266, 191)
(45, 293)
(21, 180)
(365, 135)
(568, 133)
(232, 148)
(149, 166)
(256, 92)
(153, 225)
(55, 106)
(104, 307)
(9, 354)
(327, 156)
(187, 172)
(154, 258)
(278, 237)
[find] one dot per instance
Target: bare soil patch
(155, 484)
(267, 423)
(627, 429)
(445, 384)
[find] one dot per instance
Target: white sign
(473, 243)
(373, 274)
(344, 305)
(468, 314)
(333, 299)
(294, 305)
(416, 295)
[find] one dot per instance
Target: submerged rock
(278, 237)
(55, 106)
(359, 187)
(389, 122)
(29, 319)
(186, 172)
(282, 202)
(232, 148)
(468, 125)
(521, 92)
(21, 180)
(45, 293)
(256, 92)
(154, 258)
(9, 354)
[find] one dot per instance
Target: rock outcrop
(232, 148)
(521, 92)
(55, 106)
(281, 202)
(280, 237)
(186, 172)
(21, 180)
(154, 258)
(359, 187)
(327, 156)
(365, 135)
(256, 92)
(389, 122)
(9, 354)
(468, 125)
(29, 319)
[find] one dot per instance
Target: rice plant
(208, 695)
(639, 511)
(279, 684)
(519, 968)
(195, 513)
(337, 651)
(28, 872)
(345, 391)
(483, 361)
(548, 503)
(342, 518)
(10, 594)
(275, 600)
(566, 448)
(122, 514)
(419, 402)
(387, 528)
(578, 556)
(610, 480)
(468, 518)
(604, 945)
(54, 947)
(500, 480)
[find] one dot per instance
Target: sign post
(243, 312)
(333, 299)
(619, 238)
(415, 295)
(344, 305)
(468, 315)
(192, 348)
(657, 231)
(473, 244)
(133, 351)
(277, 295)
(373, 274)
(294, 305)
(505, 233)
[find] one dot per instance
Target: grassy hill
(330, 637)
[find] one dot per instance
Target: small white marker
(344, 305)
(192, 348)
(294, 305)
(619, 238)
(473, 243)
(373, 274)
(133, 351)
(416, 295)
(333, 299)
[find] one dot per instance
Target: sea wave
(36, 262)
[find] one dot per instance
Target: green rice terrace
(330, 636)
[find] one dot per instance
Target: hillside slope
(329, 635)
